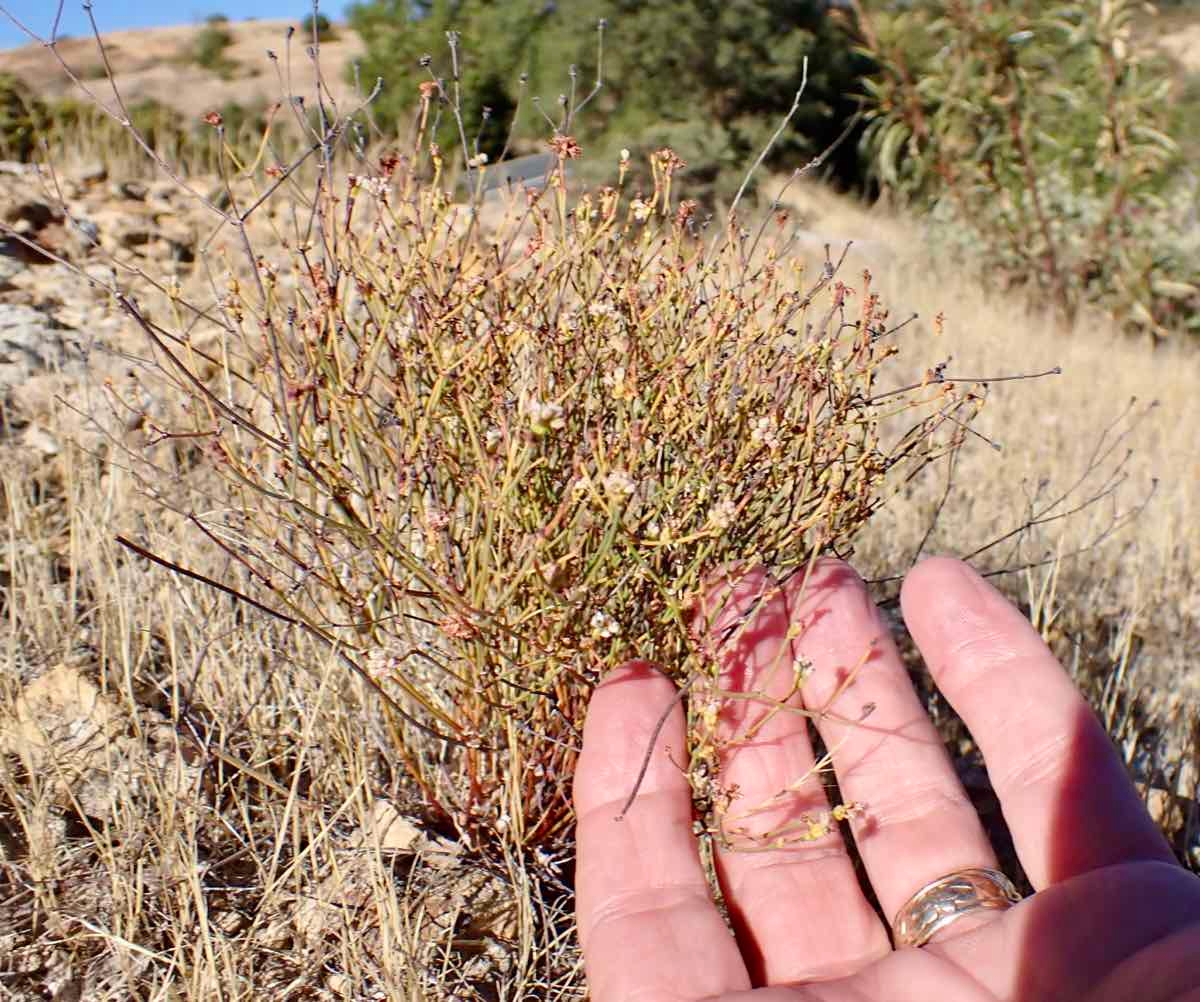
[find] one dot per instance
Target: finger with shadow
(1066, 795)
(917, 822)
(788, 881)
(647, 921)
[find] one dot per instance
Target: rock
(32, 342)
(123, 230)
(230, 923)
(86, 234)
(93, 173)
(178, 241)
(61, 726)
(10, 268)
(30, 216)
(101, 272)
(130, 237)
(163, 191)
(388, 829)
(135, 191)
(342, 985)
(38, 439)
(33, 223)
(66, 730)
(219, 196)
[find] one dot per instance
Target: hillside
(157, 64)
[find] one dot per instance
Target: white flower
(624, 156)
(601, 308)
(604, 627)
(620, 483)
(721, 515)
(478, 160)
(376, 186)
(614, 378)
(545, 415)
(641, 209)
(802, 670)
(766, 432)
(382, 662)
(491, 439)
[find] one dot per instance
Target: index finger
(647, 921)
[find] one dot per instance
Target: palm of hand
(1113, 917)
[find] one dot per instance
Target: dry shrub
(486, 459)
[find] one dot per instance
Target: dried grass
(198, 800)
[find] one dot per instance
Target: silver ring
(949, 898)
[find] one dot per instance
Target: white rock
(32, 342)
(38, 439)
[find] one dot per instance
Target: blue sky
(112, 15)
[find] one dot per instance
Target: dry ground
(195, 803)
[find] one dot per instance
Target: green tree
(210, 45)
(714, 76)
(21, 117)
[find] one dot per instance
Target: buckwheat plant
(488, 449)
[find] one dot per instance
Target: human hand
(1113, 917)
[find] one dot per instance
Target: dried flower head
(565, 148)
(668, 161)
(722, 514)
(619, 484)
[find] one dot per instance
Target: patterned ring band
(948, 898)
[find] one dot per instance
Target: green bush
(324, 28)
(210, 45)
(1040, 134)
(21, 118)
(734, 66)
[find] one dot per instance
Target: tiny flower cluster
(620, 484)
(545, 416)
(722, 514)
(604, 627)
(375, 186)
(766, 432)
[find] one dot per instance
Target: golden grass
(1048, 429)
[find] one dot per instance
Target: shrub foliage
(713, 78)
(210, 45)
(488, 452)
(1041, 133)
(21, 118)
